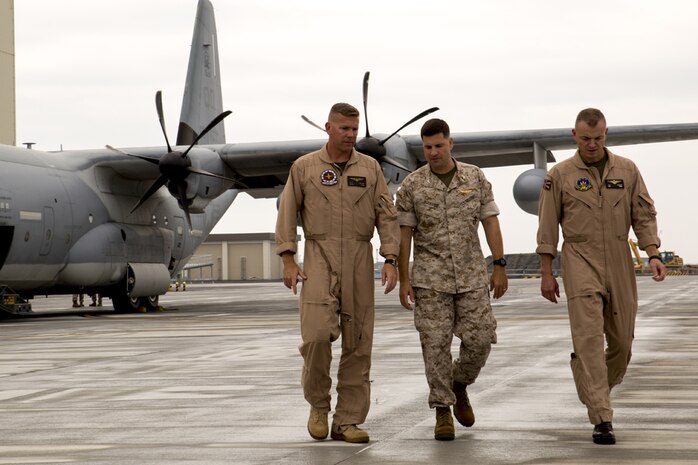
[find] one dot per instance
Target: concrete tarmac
(215, 379)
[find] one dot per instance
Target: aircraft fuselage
(72, 230)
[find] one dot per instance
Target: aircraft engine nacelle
(201, 189)
(527, 189)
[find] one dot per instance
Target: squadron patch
(614, 184)
(356, 181)
(583, 184)
(547, 184)
(328, 177)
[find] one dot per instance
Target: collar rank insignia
(614, 184)
(328, 177)
(583, 184)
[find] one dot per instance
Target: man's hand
(406, 295)
(549, 287)
(498, 282)
(389, 276)
(658, 270)
(291, 271)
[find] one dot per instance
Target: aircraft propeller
(370, 145)
(175, 166)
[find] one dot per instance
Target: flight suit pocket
(348, 333)
(319, 322)
(646, 204)
(317, 211)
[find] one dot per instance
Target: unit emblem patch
(583, 184)
(328, 177)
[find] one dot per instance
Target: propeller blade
(155, 161)
(182, 190)
(210, 126)
(366, 75)
(158, 106)
(395, 163)
(419, 116)
(159, 182)
(307, 120)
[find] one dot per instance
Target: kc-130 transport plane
(123, 221)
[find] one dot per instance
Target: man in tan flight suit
(341, 196)
(596, 196)
(441, 205)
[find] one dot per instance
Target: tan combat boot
(444, 429)
(351, 433)
(317, 424)
(463, 410)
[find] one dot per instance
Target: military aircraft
(123, 222)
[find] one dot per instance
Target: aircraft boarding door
(178, 248)
(6, 234)
(47, 237)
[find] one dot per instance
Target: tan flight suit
(449, 274)
(597, 267)
(339, 211)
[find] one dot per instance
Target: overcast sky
(87, 73)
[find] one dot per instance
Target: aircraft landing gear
(125, 304)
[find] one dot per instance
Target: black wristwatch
(500, 262)
(391, 261)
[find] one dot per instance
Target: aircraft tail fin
(203, 99)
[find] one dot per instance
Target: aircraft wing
(506, 148)
(263, 166)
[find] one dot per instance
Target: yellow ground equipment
(672, 261)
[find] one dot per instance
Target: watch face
(500, 262)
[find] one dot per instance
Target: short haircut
(435, 126)
(590, 116)
(343, 109)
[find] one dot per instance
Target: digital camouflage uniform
(596, 214)
(339, 211)
(449, 273)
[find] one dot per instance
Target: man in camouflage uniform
(441, 205)
(596, 196)
(341, 197)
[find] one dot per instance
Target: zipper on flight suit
(598, 177)
(341, 230)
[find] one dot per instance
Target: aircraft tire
(151, 302)
(125, 304)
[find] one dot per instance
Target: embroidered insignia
(583, 184)
(356, 181)
(547, 184)
(328, 178)
(614, 184)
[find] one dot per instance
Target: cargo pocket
(580, 379)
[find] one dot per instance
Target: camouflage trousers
(438, 317)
